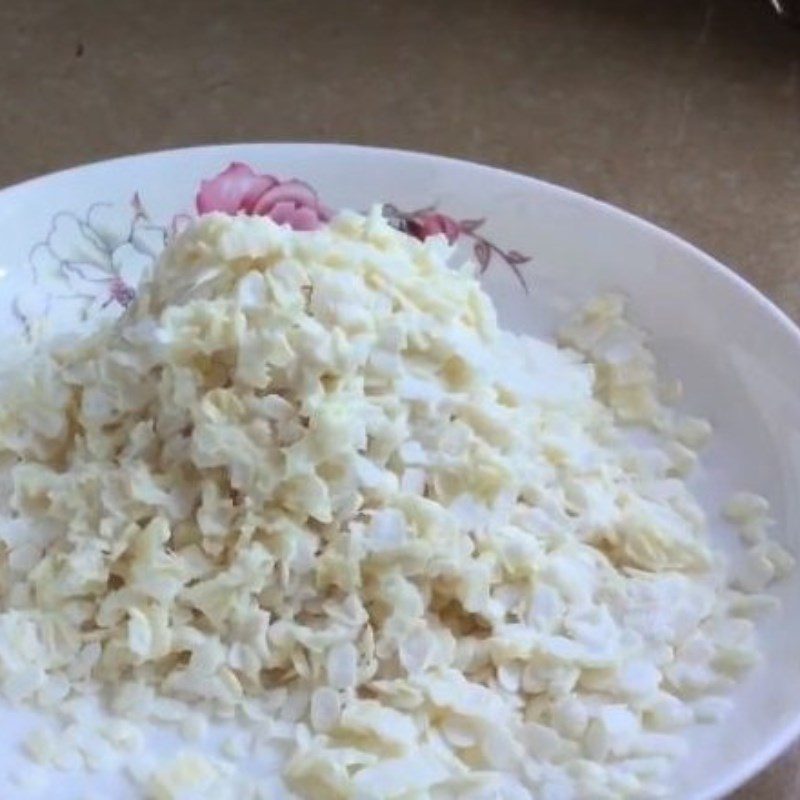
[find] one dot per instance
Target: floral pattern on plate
(94, 260)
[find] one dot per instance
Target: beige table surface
(685, 112)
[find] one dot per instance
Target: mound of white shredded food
(306, 484)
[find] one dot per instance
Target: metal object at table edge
(788, 10)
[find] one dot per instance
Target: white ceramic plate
(72, 245)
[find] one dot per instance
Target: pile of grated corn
(307, 484)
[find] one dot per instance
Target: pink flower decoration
(119, 292)
(432, 223)
(240, 190)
